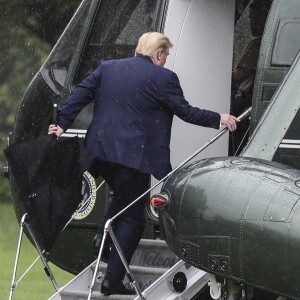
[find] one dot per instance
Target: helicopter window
(287, 43)
(56, 67)
(59, 75)
(115, 31)
(249, 30)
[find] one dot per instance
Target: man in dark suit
(135, 101)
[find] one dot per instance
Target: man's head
(155, 45)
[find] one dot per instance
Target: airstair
(159, 273)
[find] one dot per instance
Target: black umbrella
(47, 173)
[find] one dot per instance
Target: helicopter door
(202, 34)
(108, 29)
(279, 47)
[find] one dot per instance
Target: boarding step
(170, 286)
(95, 296)
(161, 289)
(150, 261)
(144, 276)
(153, 253)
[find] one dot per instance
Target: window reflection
(116, 29)
(57, 65)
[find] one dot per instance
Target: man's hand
(55, 129)
(229, 121)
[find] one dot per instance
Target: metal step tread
(162, 288)
(148, 270)
(96, 295)
(151, 260)
(136, 269)
(152, 243)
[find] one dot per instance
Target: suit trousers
(127, 184)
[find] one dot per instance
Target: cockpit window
(57, 65)
(116, 27)
(287, 42)
(115, 31)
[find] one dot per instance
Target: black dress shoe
(106, 249)
(115, 286)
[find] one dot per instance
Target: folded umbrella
(47, 173)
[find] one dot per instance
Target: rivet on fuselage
(213, 264)
(224, 265)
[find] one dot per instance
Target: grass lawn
(35, 285)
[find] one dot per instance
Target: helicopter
(245, 208)
(209, 38)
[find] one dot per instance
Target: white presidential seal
(89, 196)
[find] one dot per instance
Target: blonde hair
(152, 42)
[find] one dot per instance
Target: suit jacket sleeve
(80, 96)
(175, 101)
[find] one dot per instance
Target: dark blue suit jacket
(135, 102)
